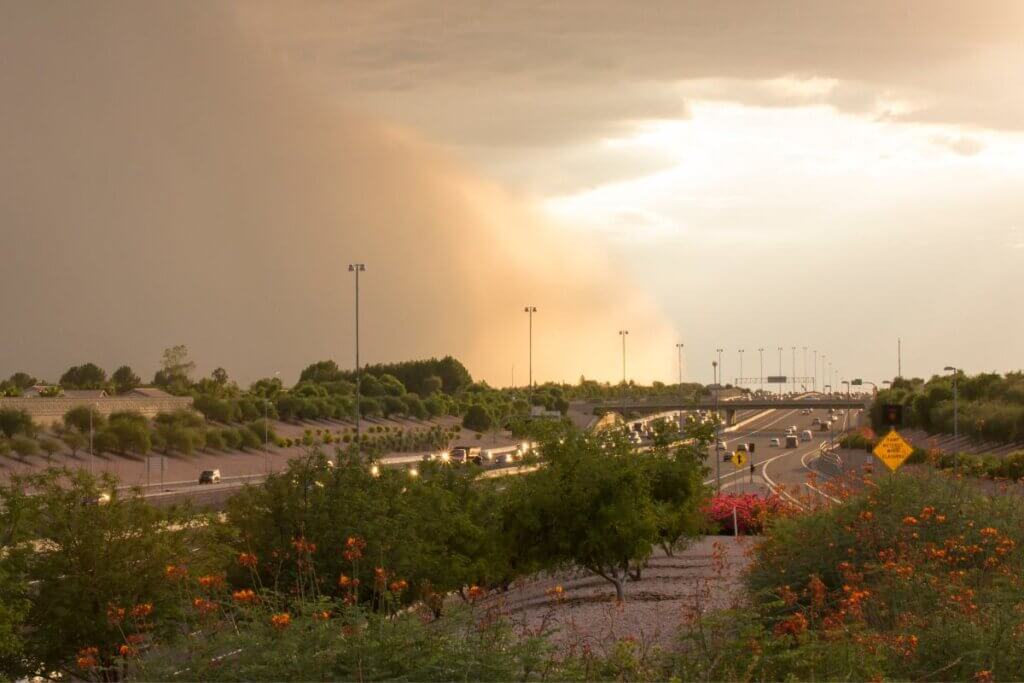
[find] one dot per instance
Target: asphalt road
(776, 467)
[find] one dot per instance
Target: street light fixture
(357, 268)
(720, 366)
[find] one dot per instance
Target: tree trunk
(620, 594)
(635, 573)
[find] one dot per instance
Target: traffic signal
(892, 414)
(750, 447)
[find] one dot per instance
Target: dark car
(209, 477)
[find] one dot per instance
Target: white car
(816, 421)
(722, 446)
(806, 435)
(774, 443)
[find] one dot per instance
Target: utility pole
(956, 412)
(741, 365)
(805, 366)
(721, 375)
(358, 268)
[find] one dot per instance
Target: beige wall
(47, 411)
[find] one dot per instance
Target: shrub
(249, 439)
(232, 438)
(49, 446)
(14, 421)
(263, 430)
(24, 445)
(214, 440)
(752, 511)
(105, 442)
(477, 418)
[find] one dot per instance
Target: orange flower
(126, 650)
(867, 516)
(989, 531)
(244, 596)
(794, 625)
(788, 596)
(247, 560)
(910, 520)
(817, 589)
(281, 621)
(142, 610)
(557, 593)
(322, 615)
(353, 548)
(475, 592)
(211, 581)
(301, 546)
(176, 572)
(983, 676)
(940, 518)
(204, 606)
(380, 577)
(398, 586)
(115, 614)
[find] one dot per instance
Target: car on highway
(806, 435)
(467, 454)
(792, 441)
(774, 443)
(825, 425)
(816, 421)
(805, 411)
(743, 447)
(721, 445)
(209, 477)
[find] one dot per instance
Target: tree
(14, 421)
(175, 370)
(590, 505)
(49, 446)
(431, 385)
(80, 418)
(220, 376)
(22, 380)
(125, 379)
(24, 445)
(86, 376)
(82, 577)
(435, 405)
(74, 440)
(392, 405)
(477, 418)
(132, 435)
(321, 372)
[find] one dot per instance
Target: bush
(49, 446)
(263, 430)
(232, 438)
(752, 511)
(130, 435)
(24, 446)
(477, 418)
(249, 440)
(13, 421)
(214, 440)
(216, 409)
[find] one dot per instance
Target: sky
(722, 174)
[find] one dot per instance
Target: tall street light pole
(679, 351)
(760, 351)
(623, 334)
(815, 385)
(792, 366)
(358, 268)
(530, 310)
(721, 376)
(741, 365)
(805, 367)
(781, 386)
(718, 432)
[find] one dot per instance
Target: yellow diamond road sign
(739, 458)
(893, 450)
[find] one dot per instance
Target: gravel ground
(585, 615)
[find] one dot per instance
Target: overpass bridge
(730, 407)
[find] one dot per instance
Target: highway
(779, 469)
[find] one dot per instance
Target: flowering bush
(752, 511)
